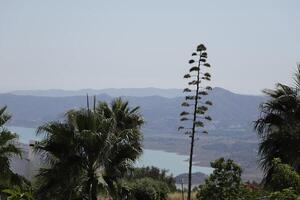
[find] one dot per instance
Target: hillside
(230, 110)
(230, 134)
(138, 92)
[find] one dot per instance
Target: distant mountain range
(137, 92)
(230, 135)
(230, 110)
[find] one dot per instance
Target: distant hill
(137, 92)
(230, 110)
(230, 135)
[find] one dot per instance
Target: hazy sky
(97, 44)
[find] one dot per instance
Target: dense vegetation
(153, 173)
(89, 151)
(8, 149)
(88, 155)
(279, 127)
(224, 183)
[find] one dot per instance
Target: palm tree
(126, 139)
(7, 150)
(279, 126)
(18, 193)
(89, 151)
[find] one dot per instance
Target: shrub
(283, 177)
(252, 192)
(17, 193)
(225, 182)
(149, 189)
(162, 190)
(144, 189)
(285, 194)
(154, 173)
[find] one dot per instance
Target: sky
(76, 44)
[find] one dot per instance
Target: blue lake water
(174, 163)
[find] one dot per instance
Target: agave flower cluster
(195, 107)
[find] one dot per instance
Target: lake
(174, 163)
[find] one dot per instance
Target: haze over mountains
(137, 92)
(160, 107)
(230, 134)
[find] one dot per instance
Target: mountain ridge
(232, 125)
(229, 110)
(137, 92)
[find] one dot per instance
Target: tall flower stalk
(195, 107)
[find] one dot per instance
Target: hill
(230, 111)
(138, 92)
(230, 134)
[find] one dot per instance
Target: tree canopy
(279, 126)
(89, 151)
(8, 149)
(224, 183)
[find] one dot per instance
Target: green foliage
(145, 183)
(162, 189)
(224, 184)
(250, 191)
(285, 194)
(8, 149)
(88, 152)
(123, 190)
(283, 177)
(154, 173)
(279, 127)
(16, 193)
(149, 189)
(144, 190)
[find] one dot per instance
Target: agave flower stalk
(195, 109)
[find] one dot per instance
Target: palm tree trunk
(94, 189)
(92, 184)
